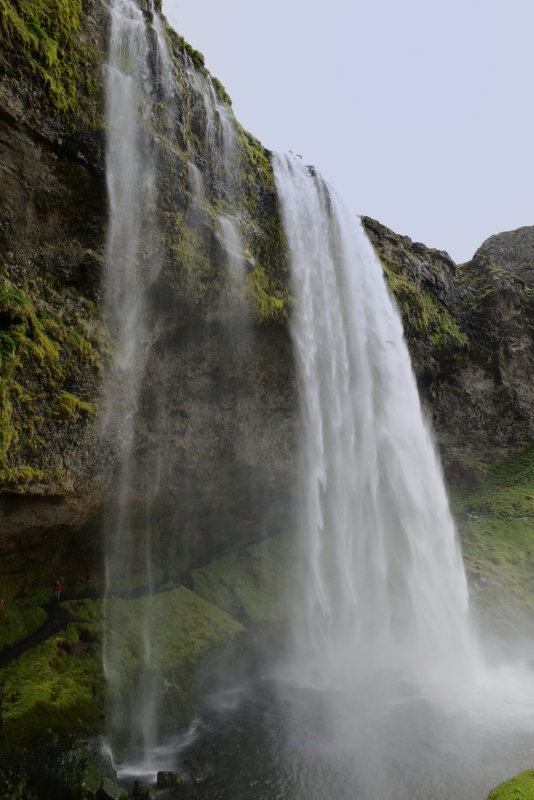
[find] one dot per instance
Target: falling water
(384, 585)
(132, 264)
(234, 250)
(144, 112)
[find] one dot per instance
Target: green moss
(19, 618)
(67, 405)
(181, 627)
(421, 314)
(519, 788)
(267, 302)
(56, 688)
(44, 36)
(196, 56)
(250, 584)
(221, 92)
(47, 354)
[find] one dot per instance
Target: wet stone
(142, 791)
(111, 790)
(168, 779)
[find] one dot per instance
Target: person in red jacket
(57, 589)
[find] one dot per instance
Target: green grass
(18, 619)
(57, 687)
(519, 788)
(496, 528)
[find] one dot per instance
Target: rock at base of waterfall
(142, 791)
(464, 476)
(111, 790)
(167, 779)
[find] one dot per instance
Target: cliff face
(469, 329)
(216, 410)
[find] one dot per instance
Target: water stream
(143, 120)
(383, 584)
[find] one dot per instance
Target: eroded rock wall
(216, 414)
(469, 330)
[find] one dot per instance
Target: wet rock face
(469, 331)
(217, 419)
(59, 454)
(73, 769)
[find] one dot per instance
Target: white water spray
(383, 584)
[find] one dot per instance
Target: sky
(420, 112)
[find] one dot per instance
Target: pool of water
(264, 738)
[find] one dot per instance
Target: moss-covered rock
(54, 689)
(251, 584)
(181, 628)
(468, 329)
(41, 355)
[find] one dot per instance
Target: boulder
(167, 779)
(111, 790)
(142, 791)
(66, 773)
(464, 476)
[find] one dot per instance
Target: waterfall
(382, 581)
(132, 265)
(146, 121)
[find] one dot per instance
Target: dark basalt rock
(67, 770)
(142, 791)
(512, 251)
(110, 790)
(168, 779)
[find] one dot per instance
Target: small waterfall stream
(142, 111)
(383, 584)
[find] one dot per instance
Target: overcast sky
(420, 112)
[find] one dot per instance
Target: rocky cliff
(216, 421)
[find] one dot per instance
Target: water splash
(383, 585)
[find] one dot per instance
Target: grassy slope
(519, 788)
(19, 618)
(496, 527)
(59, 686)
(181, 627)
(250, 584)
